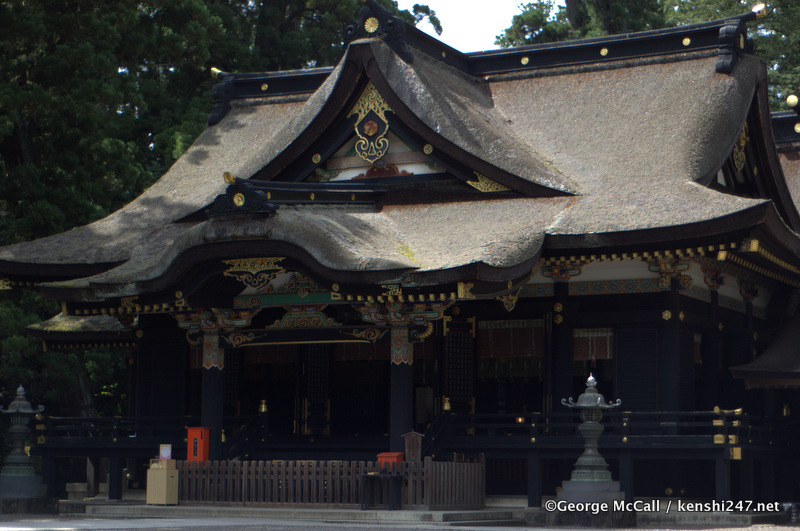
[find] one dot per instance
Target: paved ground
(62, 523)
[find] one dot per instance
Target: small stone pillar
(17, 478)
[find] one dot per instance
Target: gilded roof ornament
(485, 184)
(375, 21)
(509, 300)
(255, 273)
(739, 152)
(465, 290)
(371, 125)
(371, 25)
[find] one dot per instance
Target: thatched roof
(621, 147)
(64, 329)
(779, 365)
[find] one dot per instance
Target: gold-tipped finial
(215, 72)
(229, 177)
(446, 403)
(792, 100)
(760, 9)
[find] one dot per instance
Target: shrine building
(419, 239)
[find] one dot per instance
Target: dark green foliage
(79, 104)
(611, 17)
(59, 379)
(536, 24)
(541, 22)
(291, 34)
(778, 43)
(776, 37)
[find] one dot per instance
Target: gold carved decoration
(392, 290)
(367, 334)
(425, 334)
(371, 124)
(671, 270)
(509, 300)
(465, 290)
(739, 154)
(127, 320)
(254, 273)
(238, 199)
(203, 328)
(310, 316)
(229, 177)
(5, 284)
(485, 184)
(129, 310)
(371, 25)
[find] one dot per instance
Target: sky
(469, 25)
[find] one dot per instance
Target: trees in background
(543, 21)
(97, 100)
(776, 36)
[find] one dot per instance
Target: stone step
(487, 523)
(506, 501)
(716, 519)
(476, 516)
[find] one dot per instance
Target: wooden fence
(429, 484)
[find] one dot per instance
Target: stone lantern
(590, 480)
(17, 477)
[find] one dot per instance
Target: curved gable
(432, 107)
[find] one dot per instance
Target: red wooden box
(197, 444)
(386, 458)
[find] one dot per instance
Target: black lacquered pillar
(212, 392)
(401, 389)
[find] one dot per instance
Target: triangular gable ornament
(371, 125)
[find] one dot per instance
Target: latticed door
(458, 374)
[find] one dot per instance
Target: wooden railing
(330, 483)
(680, 431)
